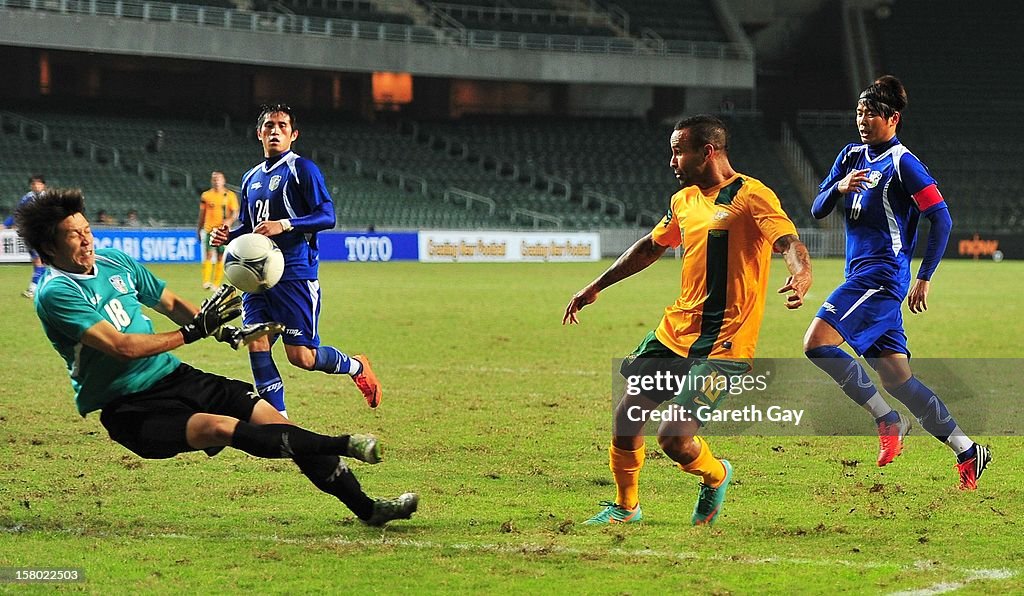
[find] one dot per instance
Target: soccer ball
(253, 263)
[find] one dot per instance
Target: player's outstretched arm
(175, 307)
(636, 258)
(220, 308)
(183, 312)
(798, 261)
(128, 346)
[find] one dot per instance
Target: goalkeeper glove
(234, 337)
(216, 310)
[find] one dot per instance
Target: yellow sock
(207, 270)
(706, 466)
(220, 273)
(625, 467)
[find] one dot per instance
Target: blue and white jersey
(29, 196)
(291, 187)
(881, 221)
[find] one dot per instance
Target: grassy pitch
(499, 417)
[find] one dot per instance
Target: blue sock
(332, 361)
(844, 370)
(37, 272)
(966, 455)
(267, 379)
(891, 418)
(927, 407)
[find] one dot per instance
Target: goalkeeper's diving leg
(269, 434)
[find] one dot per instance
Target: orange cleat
(890, 439)
(367, 382)
(971, 469)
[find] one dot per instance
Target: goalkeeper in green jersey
(90, 304)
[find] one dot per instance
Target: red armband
(928, 197)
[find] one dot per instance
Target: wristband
(190, 333)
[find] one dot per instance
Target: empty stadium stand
(106, 185)
(527, 16)
(624, 159)
(166, 191)
(443, 167)
(355, 10)
(675, 21)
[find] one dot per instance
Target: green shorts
(695, 382)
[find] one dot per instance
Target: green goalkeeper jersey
(69, 304)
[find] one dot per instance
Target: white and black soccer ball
(253, 263)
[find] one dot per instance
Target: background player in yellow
(728, 225)
(217, 206)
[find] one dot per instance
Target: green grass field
(499, 417)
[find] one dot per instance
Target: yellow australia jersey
(218, 205)
(727, 235)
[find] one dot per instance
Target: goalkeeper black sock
(285, 440)
(330, 474)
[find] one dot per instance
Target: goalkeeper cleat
(971, 470)
(385, 510)
(364, 448)
(614, 514)
(710, 500)
(28, 294)
(890, 439)
(367, 382)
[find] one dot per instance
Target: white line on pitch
(943, 587)
(527, 548)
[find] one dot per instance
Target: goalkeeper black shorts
(152, 423)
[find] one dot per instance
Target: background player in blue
(90, 304)
(285, 198)
(36, 185)
(885, 189)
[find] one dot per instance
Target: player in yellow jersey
(217, 206)
(728, 225)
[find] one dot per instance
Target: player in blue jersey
(90, 304)
(36, 185)
(884, 190)
(285, 198)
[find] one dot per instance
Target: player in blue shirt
(90, 303)
(36, 186)
(285, 198)
(884, 189)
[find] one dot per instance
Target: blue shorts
(868, 317)
(295, 303)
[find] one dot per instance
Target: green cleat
(613, 514)
(709, 500)
(364, 448)
(385, 510)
